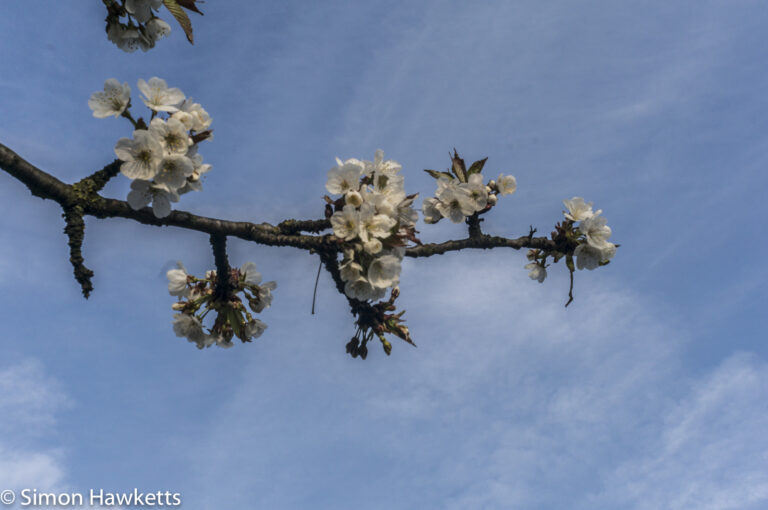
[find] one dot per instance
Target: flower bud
(491, 183)
(179, 305)
(353, 198)
(492, 199)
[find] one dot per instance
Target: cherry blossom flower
(346, 223)
(173, 170)
(588, 257)
(344, 177)
(362, 289)
(140, 155)
(144, 192)
(189, 326)
(388, 168)
(506, 184)
(172, 134)
(142, 9)
(430, 211)
(160, 98)
(157, 29)
(455, 203)
(177, 281)
(578, 210)
(113, 101)
(384, 271)
(255, 328)
(537, 272)
(596, 231)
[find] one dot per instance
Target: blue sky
(648, 392)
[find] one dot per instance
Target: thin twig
(317, 280)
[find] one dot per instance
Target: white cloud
(510, 401)
(29, 401)
(712, 451)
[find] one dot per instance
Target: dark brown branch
(100, 178)
(45, 186)
(296, 226)
(224, 286)
(40, 184)
(75, 230)
(483, 242)
(474, 226)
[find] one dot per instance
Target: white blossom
(430, 211)
(158, 97)
(141, 10)
(350, 270)
(361, 289)
(124, 37)
(372, 246)
(373, 225)
(140, 155)
(190, 327)
(578, 210)
(454, 203)
(250, 274)
(537, 272)
(157, 29)
(173, 170)
(476, 191)
(344, 177)
(388, 168)
(264, 294)
(254, 328)
(113, 101)
(172, 134)
(177, 281)
(589, 257)
(384, 271)
(346, 223)
(202, 120)
(144, 192)
(506, 184)
(596, 231)
(353, 198)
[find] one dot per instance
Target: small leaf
(202, 135)
(477, 166)
(190, 4)
(181, 16)
(438, 175)
(458, 166)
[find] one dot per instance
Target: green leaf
(235, 319)
(181, 16)
(477, 166)
(437, 175)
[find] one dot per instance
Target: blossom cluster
(198, 296)
(462, 193)
(594, 249)
(587, 230)
(161, 158)
(374, 218)
(140, 29)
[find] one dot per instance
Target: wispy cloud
(510, 400)
(29, 402)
